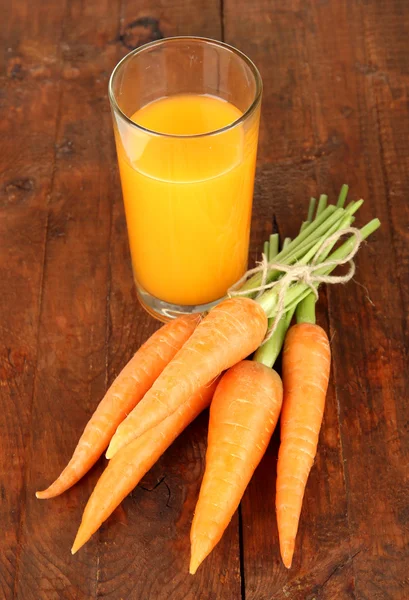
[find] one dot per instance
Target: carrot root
(243, 415)
(131, 463)
(306, 367)
(126, 391)
(230, 332)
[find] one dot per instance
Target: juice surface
(188, 200)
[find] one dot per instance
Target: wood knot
(70, 72)
(15, 69)
(65, 148)
(40, 72)
(140, 32)
(12, 363)
(16, 190)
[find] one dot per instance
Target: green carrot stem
(347, 246)
(343, 223)
(289, 316)
(305, 311)
(322, 204)
(310, 215)
(314, 229)
(299, 291)
(342, 195)
(274, 246)
(311, 208)
(320, 233)
(267, 353)
(302, 250)
(322, 227)
(266, 249)
(352, 207)
(354, 203)
(306, 239)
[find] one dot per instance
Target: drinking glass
(186, 114)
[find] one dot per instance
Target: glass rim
(246, 114)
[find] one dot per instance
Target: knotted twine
(307, 274)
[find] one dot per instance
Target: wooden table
(335, 109)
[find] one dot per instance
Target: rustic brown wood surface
(335, 109)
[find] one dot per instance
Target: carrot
(131, 463)
(126, 391)
(231, 331)
(243, 415)
(306, 367)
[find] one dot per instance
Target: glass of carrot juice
(186, 114)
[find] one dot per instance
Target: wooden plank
(71, 371)
(29, 90)
(145, 544)
(369, 348)
(365, 336)
(273, 34)
(322, 562)
(303, 158)
(386, 77)
(146, 541)
(146, 21)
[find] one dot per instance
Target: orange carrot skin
(243, 416)
(306, 368)
(131, 463)
(126, 391)
(231, 331)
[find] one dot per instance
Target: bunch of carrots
(198, 361)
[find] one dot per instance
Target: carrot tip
(287, 556)
(51, 492)
(43, 495)
(200, 549)
(194, 564)
(78, 543)
(111, 451)
(82, 537)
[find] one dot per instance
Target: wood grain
(71, 366)
(29, 84)
(338, 135)
(323, 542)
(144, 547)
(370, 358)
(335, 109)
(283, 189)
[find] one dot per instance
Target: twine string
(307, 274)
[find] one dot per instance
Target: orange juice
(188, 199)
